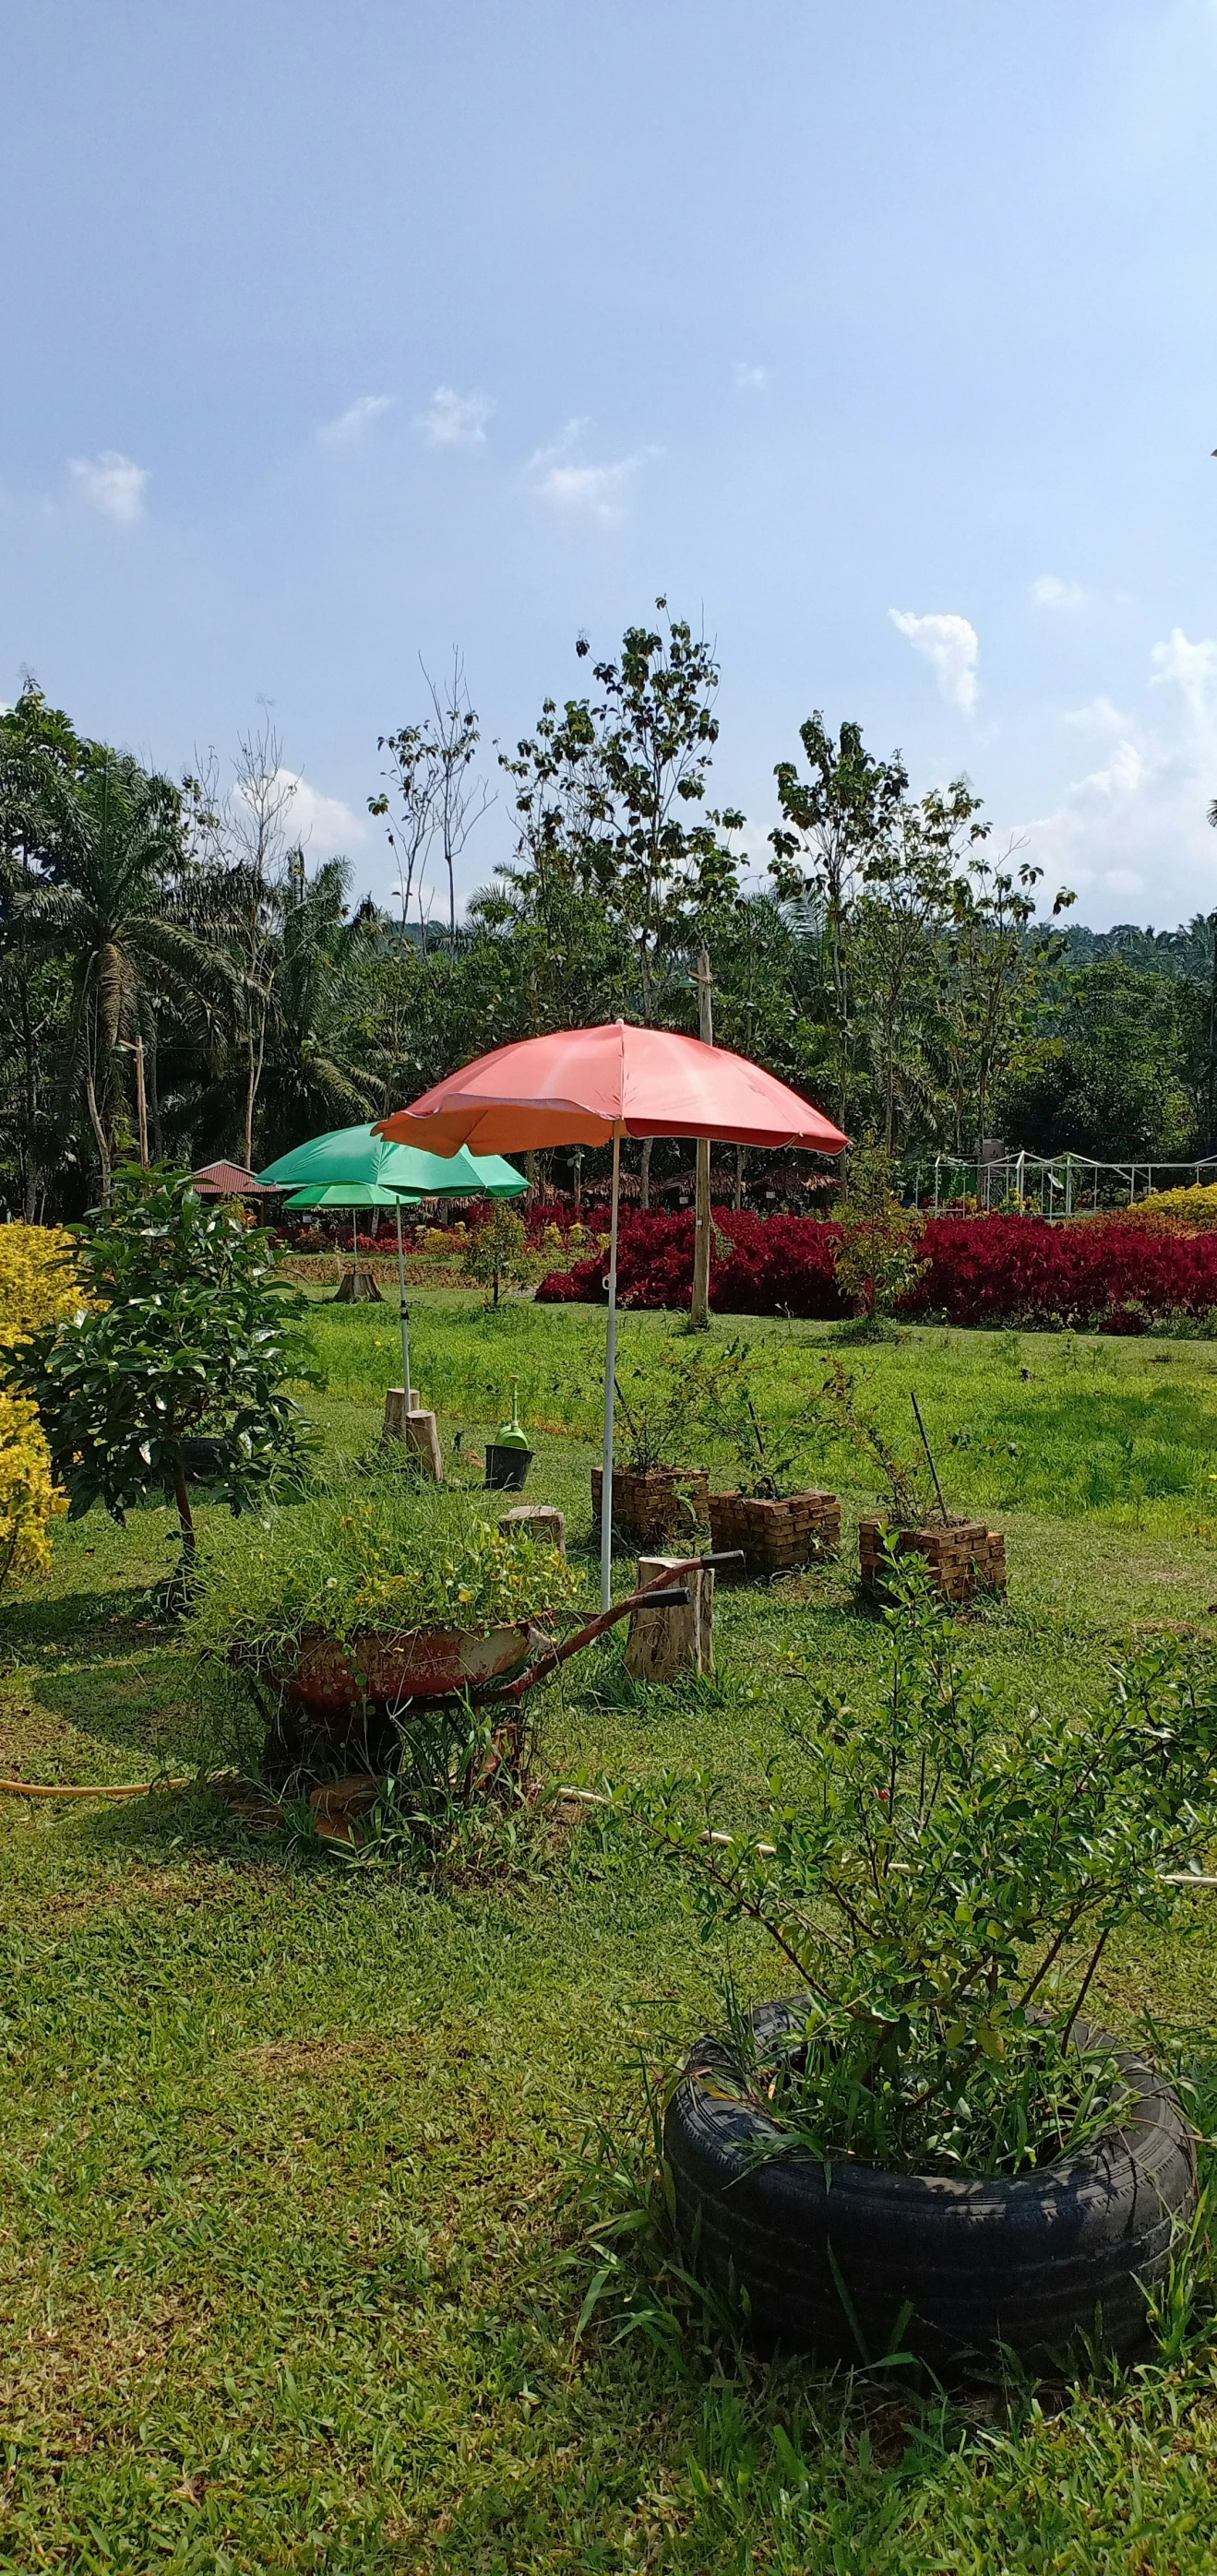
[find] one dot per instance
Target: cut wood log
(417, 1428)
(670, 1640)
(396, 1410)
(539, 1521)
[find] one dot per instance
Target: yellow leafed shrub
(29, 1498)
(1189, 1207)
(39, 1279)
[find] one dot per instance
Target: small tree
(497, 1251)
(877, 1262)
(193, 1337)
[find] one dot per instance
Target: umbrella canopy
(587, 1086)
(362, 1154)
(346, 1194)
(592, 1087)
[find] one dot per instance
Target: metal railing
(1058, 1185)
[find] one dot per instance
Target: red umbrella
(592, 1087)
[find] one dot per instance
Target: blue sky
(879, 335)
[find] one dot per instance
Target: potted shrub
(964, 1556)
(777, 1525)
(373, 1594)
(660, 1399)
(927, 2147)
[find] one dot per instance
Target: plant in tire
(940, 1880)
(188, 1335)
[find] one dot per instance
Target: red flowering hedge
(1115, 1277)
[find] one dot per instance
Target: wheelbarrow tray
(382, 1669)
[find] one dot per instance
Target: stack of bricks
(776, 1537)
(963, 1556)
(656, 1505)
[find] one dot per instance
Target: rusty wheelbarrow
(341, 1693)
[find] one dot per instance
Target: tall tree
(834, 825)
(37, 742)
(906, 901)
(103, 902)
(992, 1023)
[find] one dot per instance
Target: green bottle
(509, 1434)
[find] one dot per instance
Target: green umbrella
(352, 1167)
(356, 1154)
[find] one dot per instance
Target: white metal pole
(405, 1319)
(610, 1393)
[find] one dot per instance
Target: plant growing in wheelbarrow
(928, 2147)
(355, 1621)
(360, 1601)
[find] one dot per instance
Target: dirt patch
(282, 2060)
(168, 1889)
(33, 1741)
(61, 2376)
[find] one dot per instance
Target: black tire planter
(826, 2264)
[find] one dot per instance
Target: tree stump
(664, 1642)
(357, 1288)
(417, 1428)
(539, 1521)
(396, 1410)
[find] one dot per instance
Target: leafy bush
(1116, 1276)
(189, 1336)
(29, 1498)
(497, 1251)
(380, 1553)
(1192, 1207)
(942, 1879)
(40, 1280)
(665, 1397)
(877, 1263)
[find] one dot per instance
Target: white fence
(1059, 1185)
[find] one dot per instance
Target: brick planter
(776, 1537)
(656, 1505)
(964, 1557)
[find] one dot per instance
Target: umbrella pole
(610, 1387)
(405, 1319)
(355, 1248)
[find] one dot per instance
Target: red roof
(229, 1181)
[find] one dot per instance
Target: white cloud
(1138, 820)
(321, 825)
(1051, 592)
(454, 420)
(351, 426)
(570, 485)
(952, 644)
(1099, 716)
(110, 483)
(750, 380)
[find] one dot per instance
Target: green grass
(283, 2163)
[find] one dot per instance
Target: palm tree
(108, 903)
(309, 1082)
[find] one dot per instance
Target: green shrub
(941, 1881)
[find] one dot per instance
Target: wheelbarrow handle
(653, 1596)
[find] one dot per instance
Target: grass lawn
(290, 2269)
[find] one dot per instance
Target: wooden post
(538, 1521)
(416, 1427)
(699, 1312)
(664, 1642)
